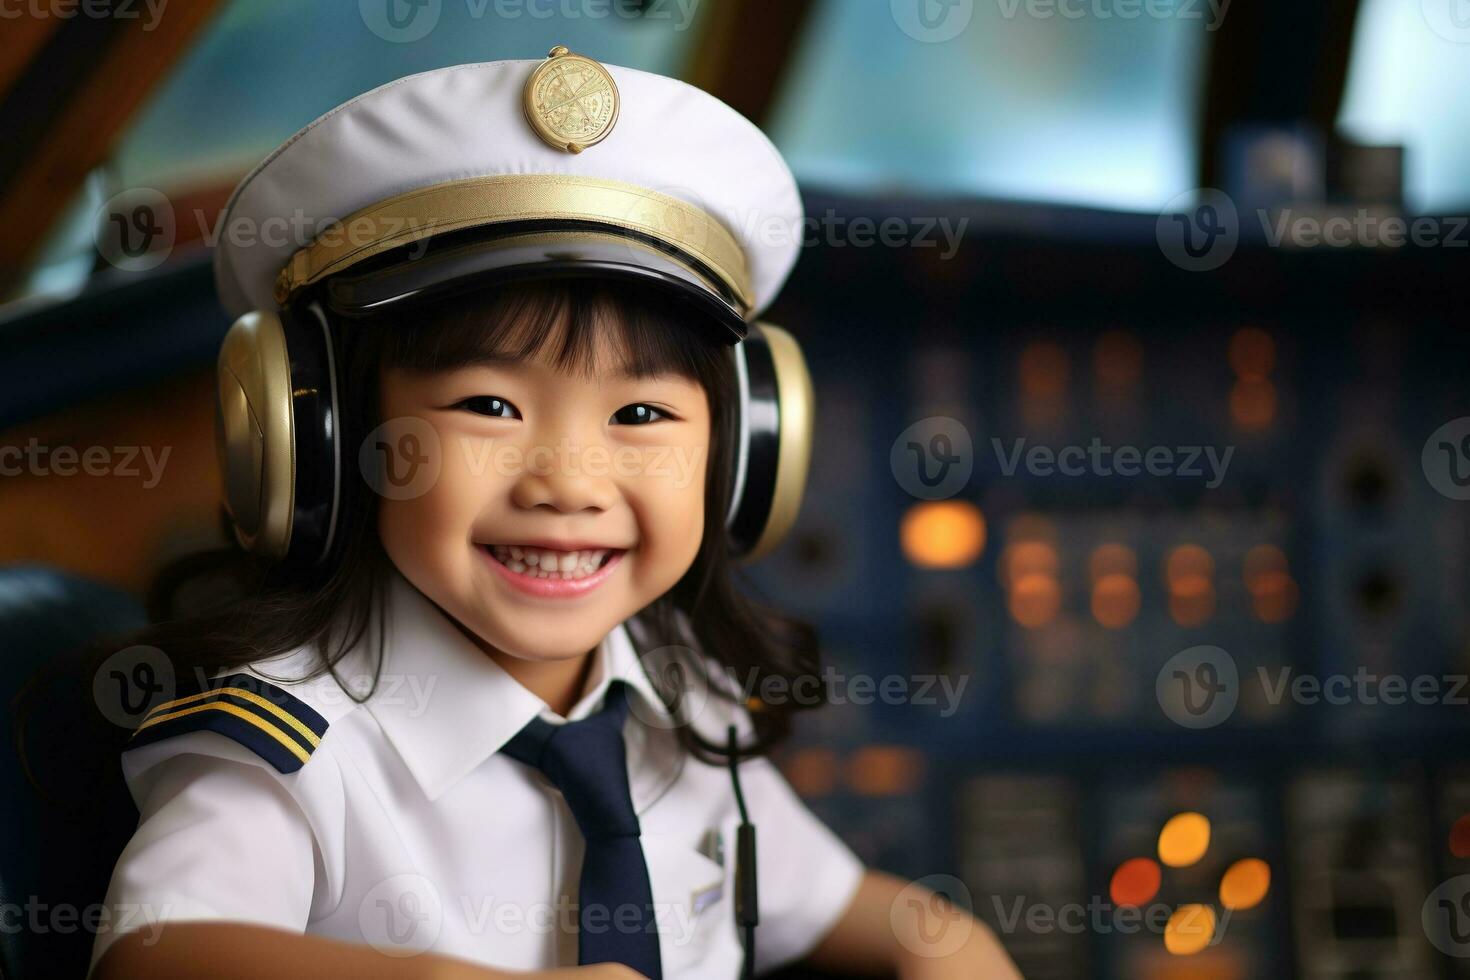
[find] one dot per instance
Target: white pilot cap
(556, 163)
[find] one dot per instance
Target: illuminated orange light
(1261, 560)
(1245, 884)
(1135, 882)
(1252, 354)
(1117, 360)
(1190, 929)
(1460, 837)
(1111, 558)
(1184, 839)
(1027, 558)
(1274, 598)
(885, 770)
(1253, 404)
(1192, 600)
(1045, 370)
(1035, 600)
(1115, 600)
(943, 534)
(812, 772)
(1188, 560)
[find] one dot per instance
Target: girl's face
(565, 500)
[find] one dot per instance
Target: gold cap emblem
(571, 101)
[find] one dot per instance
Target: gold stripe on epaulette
(253, 698)
(238, 712)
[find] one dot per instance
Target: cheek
(670, 512)
(430, 530)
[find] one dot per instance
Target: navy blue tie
(587, 762)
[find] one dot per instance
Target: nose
(563, 478)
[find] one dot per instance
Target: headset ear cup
(254, 436)
(778, 409)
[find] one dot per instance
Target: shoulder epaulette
(277, 726)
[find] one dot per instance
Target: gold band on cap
(483, 201)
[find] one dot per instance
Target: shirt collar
(446, 706)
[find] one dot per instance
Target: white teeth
(544, 563)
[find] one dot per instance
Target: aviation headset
(279, 428)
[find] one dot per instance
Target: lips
(553, 573)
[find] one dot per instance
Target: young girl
(484, 707)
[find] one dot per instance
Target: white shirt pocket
(694, 909)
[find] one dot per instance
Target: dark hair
(225, 609)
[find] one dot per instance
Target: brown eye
(638, 414)
(490, 406)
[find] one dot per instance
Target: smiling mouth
(550, 564)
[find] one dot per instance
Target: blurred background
(1139, 528)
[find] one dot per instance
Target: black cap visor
(531, 252)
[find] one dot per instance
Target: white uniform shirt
(406, 829)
